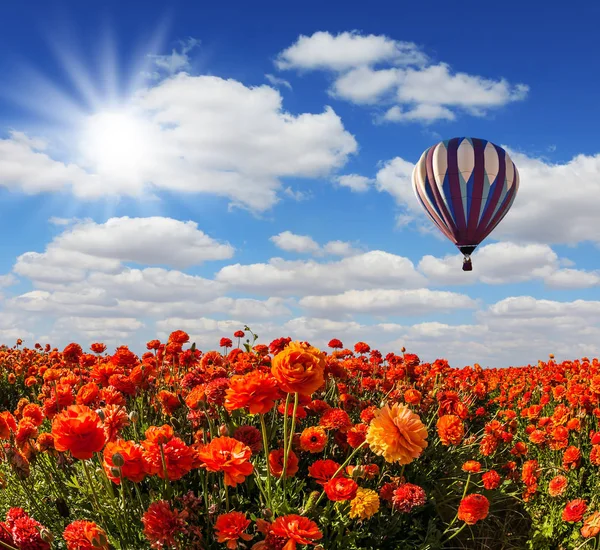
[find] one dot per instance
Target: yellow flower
(365, 504)
(397, 434)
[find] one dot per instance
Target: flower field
(285, 446)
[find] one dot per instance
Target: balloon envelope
(466, 186)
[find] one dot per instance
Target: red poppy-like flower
(276, 459)
(357, 435)
(169, 402)
(591, 526)
(335, 344)
(473, 508)
(571, 458)
(574, 510)
(340, 488)
(179, 337)
(335, 419)
(227, 455)
(230, 528)
(225, 343)
(323, 470)
(407, 496)
(296, 530)
(491, 480)
(239, 334)
(557, 486)
(257, 391)
(162, 525)
(85, 535)
(98, 347)
(361, 347)
(26, 531)
(471, 466)
(78, 429)
(313, 439)
(126, 455)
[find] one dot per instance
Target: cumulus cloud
(377, 70)
(304, 244)
(355, 182)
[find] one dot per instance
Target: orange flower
(397, 434)
(230, 527)
(340, 488)
(299, 368)
(451, 429)
(471, 466)
(227, 455)
(257, 391)
(127, 455)
(169, 458)
(473, 508)
(296, 530)
(356, 435)
(85, 535)
(591, 526)
(323, 470)
(574, 510)
(78, 429)
(412, 396)
(313, 439)
(276, 459)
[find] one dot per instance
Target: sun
(116, 143)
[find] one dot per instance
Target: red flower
(162, 525)
(257, 391)
(79, 430)
(239, 334)
(176, 458)
(491, 480)
(230, 527)
(225, 343)
(85, 535)
(276, 459)
(313, 439)
(227, 455)
(574, 510)
(473, 508)
(335, 419)
(126, 455)
(335, 344)
(323, 470)
(408, 496)
(340, 488)
(250, 436)
(557, 486)
(296, 530)
(356, 435)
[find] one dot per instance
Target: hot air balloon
(466, 186)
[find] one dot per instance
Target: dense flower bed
(286, 446)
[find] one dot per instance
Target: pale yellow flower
(365, 504)
(397, 434)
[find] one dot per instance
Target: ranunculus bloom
(365, 504)
(323, 470)
(471, 466)
(230, 528)
(78, 429)
(340, 488)
(357, 435)
(250, 436)
(299, 368)
(335, 419)
(408, 496)
(473, 508)
(85, 535)
(491, 480)
(296, 530)
(257, 391)
(131, 461)
(276, 459)
(397, 434)
(165, 455)
(574, 510)
(162, 525)
(557, 486)
(591, 526)
(313, 439)
(451, 429)
(227, 455)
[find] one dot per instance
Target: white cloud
(388, 302)
(355, 182)
(276, 81)
(177, 60)
(412, 88)
(201, 134)
(278, 277)
(295, 243)
(340, 248)
(346, 50)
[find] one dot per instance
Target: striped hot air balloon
(466, 186)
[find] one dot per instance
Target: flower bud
(134, 416)
(115, 472)
(118, 459)
(99, 541)
(223, 430)
(101, 414)
(46, 535)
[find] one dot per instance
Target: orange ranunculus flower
(473, 508)
(412, 396)
(451, 429)
(127, 455)
(78, 429)
(87, 394)
(591, 526)
(296, 530)
(230, 527)
(471, 466)
(85, 535)
(574, 510)
(397, 434)
(169, 460)
(257, 391)
(323, 470)
(557, 486)
(227, 455)
(299, 368)
(276, 459)
(313, 439)
(340, 488)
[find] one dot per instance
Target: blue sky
(205, 166)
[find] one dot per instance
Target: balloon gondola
(466, 186)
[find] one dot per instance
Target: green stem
(263, 427)
(456, 532)
(226, 498)
(93, 488)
